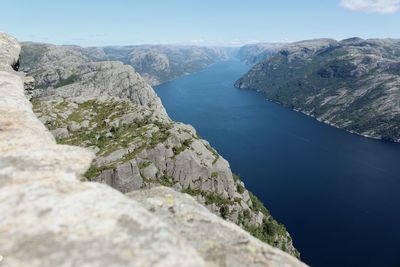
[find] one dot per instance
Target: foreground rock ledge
(49, 218)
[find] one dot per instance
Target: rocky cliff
(352, 84)
(155, 63)
(108, 108)
(51, 218)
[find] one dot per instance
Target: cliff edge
(51, 218)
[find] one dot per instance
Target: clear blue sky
(202, 22)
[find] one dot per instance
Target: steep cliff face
(50, 218)
(155, 63)
(352, 84)
(107, 107)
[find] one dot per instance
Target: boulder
(218, 242)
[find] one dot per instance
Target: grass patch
(185, 144)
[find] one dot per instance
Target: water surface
(338, 194)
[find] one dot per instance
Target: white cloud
(372, 6)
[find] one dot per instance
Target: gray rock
(60, 133)
(257, 219)
(127, 177)
(220, 243)
(74, 126)
(150, 171)
(112, 157)
(85, 124)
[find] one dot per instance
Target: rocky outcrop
(50, 218)
(353, 84)
(220, 243)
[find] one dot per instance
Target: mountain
(155, 63)
(160, 63)
(51, 218)
(108, 107)
(254, 53)
(352, 84)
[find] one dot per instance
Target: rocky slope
(155, 63)
(50, 218)
(352, 84)
(108, 108)
(254, 53)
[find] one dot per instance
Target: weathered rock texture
(219, 242)
(50, 218)
(107, 107)
(353, 84)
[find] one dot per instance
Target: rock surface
(50, 218)
(220, 243)
(353, 84)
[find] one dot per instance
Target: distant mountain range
(155, 63)
(352, 84)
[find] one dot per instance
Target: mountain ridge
(156, 63)
(351, 84)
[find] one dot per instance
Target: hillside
(254, 53)
(110, 109)
(353, 84)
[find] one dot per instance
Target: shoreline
(378, 138)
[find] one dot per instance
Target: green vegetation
(210, 198)
(144, 164)
(214, 152)
(166, 181)
(240, 188)
(100, 132)
(270, 231)
(258, 205)
(96, 171)
(185, 144)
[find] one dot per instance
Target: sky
(197, 22)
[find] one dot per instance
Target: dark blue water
(338, 194)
